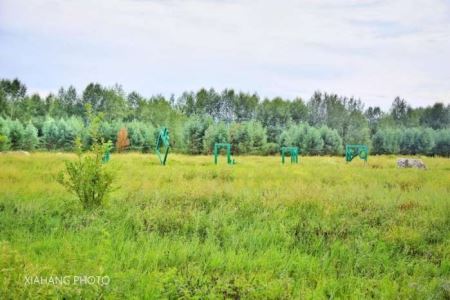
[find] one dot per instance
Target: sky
(373, 50)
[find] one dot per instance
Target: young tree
(258, 136)
(4, 134)
(306, 137)
(298, 111)
(436, 116)
(194, 132)
(30, 138)
(409, 141)
(332, 142)
(122, 140)
(87, 177)
(216, 133)
(425, 141)
(373, 116)
(442, 143)
(16, 134)
(142, 136)
(239, 136)
(386, 141)
(399, 111)
(13, 91)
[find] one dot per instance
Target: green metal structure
(217, 148)
(162, 143)
(293, 151)
(107, 154)
(352, 151)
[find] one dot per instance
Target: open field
(320, 229)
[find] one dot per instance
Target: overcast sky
(369, 49)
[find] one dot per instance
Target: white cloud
(370, 49)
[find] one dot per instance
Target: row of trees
(412, 141)
(197, 118)
(199, 134)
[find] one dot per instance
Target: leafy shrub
(87, 177)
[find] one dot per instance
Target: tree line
(322, 125)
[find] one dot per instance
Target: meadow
(257, 229)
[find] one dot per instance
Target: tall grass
(258, 229)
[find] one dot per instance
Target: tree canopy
(320, 125)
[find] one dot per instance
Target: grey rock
(411, 163)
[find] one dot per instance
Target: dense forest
(322, 125)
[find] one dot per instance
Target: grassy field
(258, 229)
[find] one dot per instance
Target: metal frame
(293, 153)
(163, 141)
(217, 148)
(352, 151)
(107, 154)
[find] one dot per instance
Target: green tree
(373, 116)
(442, 142)
(239, 137)
(30, 138)
(386, 141)
(275, 116)
(216, 133)
(425, 141)
(87, 177)
(436, 116)
(258, 136)
(399, 111)
(141, 136)
(409, 141)
(332, 142)
(16, 134)
(194, 133)
(306, 137)
(12, 92)
(4, 135)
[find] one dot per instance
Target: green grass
(320, 229)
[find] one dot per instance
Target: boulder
(411, 163)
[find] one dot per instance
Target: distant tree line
(323, 125)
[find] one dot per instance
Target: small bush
(87, 177)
